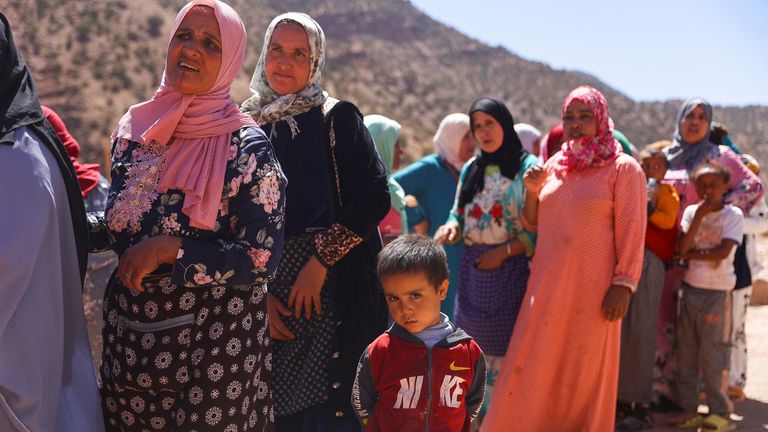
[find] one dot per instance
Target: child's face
(413, 301)
(711, 186)
(654, 167)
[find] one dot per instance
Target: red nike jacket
(403, 386)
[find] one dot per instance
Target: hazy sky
(649, 50)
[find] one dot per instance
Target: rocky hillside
(92, 59)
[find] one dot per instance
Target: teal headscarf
(385, 133)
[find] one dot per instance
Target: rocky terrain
(92, 59)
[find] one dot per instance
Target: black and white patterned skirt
(186, 359)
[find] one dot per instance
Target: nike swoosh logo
(457, 368)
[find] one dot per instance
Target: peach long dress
(562, 364)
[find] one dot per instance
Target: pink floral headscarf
(198, 126)
(594, 151)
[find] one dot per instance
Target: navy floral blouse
(245, 245)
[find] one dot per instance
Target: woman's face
(467, 147)
(695, 125)
(488, 131)
(578, 121)
(194, 54)
(287, 61)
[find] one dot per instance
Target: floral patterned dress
(192, 352)
(488, 301)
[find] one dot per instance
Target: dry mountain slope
(92, 59)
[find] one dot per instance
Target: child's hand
(492, 258)
(616, 302)
(534, 178)
(447, 233)
(706, 206)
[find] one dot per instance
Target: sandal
(736, 394)
(694, 421)
(716, 423)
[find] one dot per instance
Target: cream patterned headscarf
(266, 106)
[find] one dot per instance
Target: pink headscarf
(198, 126)
(550, 141)
(598, 150)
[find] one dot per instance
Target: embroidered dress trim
(140, 190)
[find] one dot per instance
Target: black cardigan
(361, 201)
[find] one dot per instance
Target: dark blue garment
(197, 336)
(489, 300)
(245, 245)
(304, 160)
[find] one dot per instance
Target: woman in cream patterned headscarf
(266, 105)
(325, 303)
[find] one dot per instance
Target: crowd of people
(276, 270)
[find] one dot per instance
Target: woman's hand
(534, 178)
(492, 258)
(277, 328)
(447, 233)
(144, 257)
(306, 290)
(616, 302)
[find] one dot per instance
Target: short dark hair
(709, 167)
(414, 253)
(652, 153)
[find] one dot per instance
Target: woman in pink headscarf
(588, 205)
(195, 214)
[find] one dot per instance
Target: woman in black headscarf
(46, 371)
(494, 265)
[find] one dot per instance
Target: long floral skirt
(180, 359)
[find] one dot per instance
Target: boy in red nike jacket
(424, 373)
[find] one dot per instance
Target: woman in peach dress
(588, 204)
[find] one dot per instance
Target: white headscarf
(528, 135)
(266, 106)
(447, 139)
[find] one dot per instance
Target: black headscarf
(19, 107)
(509, 156)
